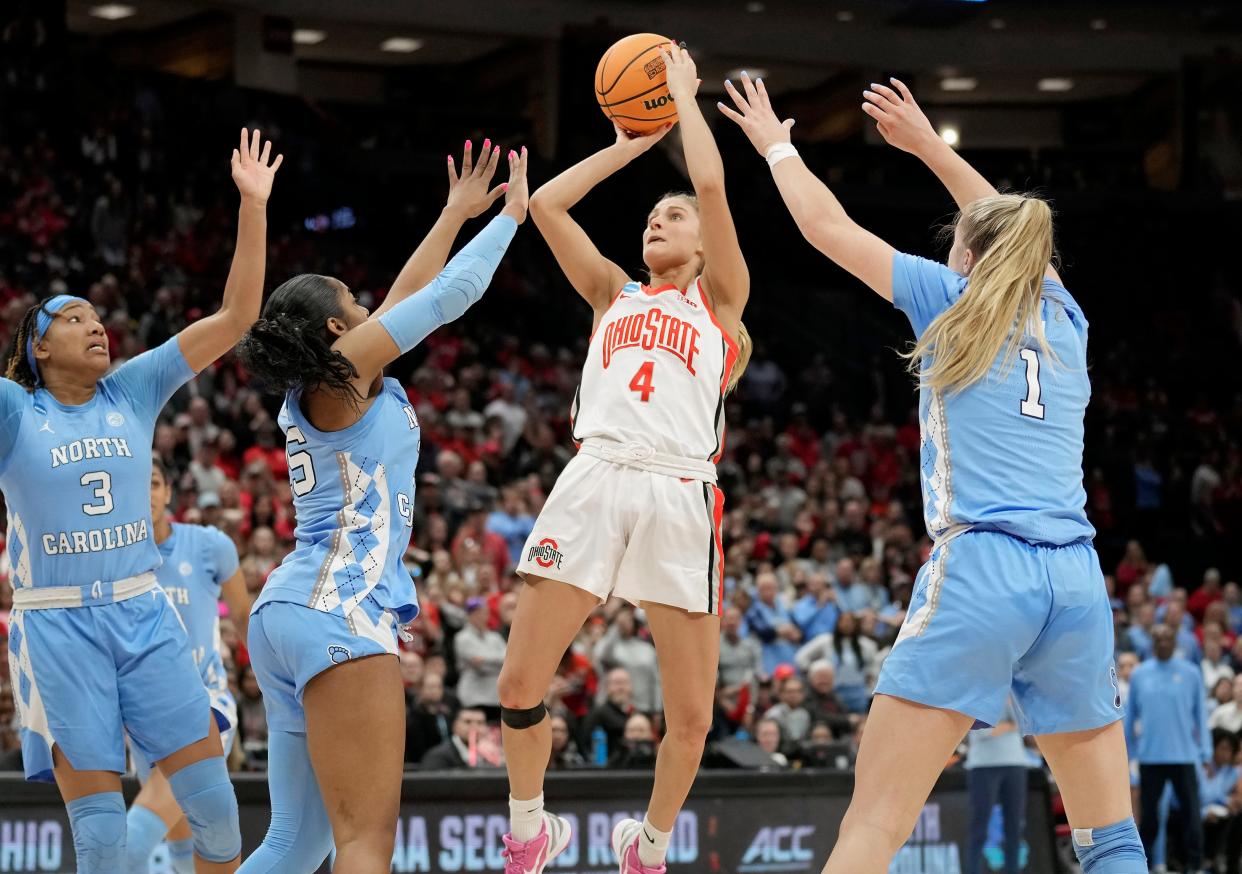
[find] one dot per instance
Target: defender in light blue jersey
(1012, 600)
(96, 648)
(335, 714)
(200, 567)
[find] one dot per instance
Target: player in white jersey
(323, 639)
(636, 513)
(1011, 601)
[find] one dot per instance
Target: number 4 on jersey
(641, 382)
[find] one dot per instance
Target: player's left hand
(517, 189)
(252, 173)
(680, 72)
(754, 115)
(468, 190)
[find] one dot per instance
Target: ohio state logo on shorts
(546, 554)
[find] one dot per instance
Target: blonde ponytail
(1011, 236)
(744, 347)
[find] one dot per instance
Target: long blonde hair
(745, 346)
(1011, 238)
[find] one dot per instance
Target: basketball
(630, 85)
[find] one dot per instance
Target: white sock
(526, 818)
(652, 844)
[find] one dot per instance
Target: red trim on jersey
(717, 518)
(647, 289)
(732, 344)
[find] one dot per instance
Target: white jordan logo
(46, 426)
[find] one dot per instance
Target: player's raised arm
(209, 338)
(468, 196)
(819, 215)
(903, 124)
(591, 274)
(725, 276)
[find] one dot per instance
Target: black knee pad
(523, 718)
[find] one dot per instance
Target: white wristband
(779, 152)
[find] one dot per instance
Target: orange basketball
(630, 84)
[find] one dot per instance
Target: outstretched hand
(755, 116)
(468, 190)
(517, 189)
(898, 117)
(251, 172)
(679, 72)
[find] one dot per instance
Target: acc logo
(185, 568)
(338, 654)
(779, 845)
(546, 554)
(116, 420)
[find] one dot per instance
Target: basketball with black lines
(630, 84)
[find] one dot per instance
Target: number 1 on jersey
(641, 382)
(1031, 405)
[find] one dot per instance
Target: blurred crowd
(822, 528)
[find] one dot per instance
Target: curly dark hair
(290, 347)
(17, 367)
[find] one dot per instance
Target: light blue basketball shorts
(993, 614)
(84, 676)
(291, 644)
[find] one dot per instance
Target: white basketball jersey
(656, 372)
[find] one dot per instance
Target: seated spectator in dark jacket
(614, 711)
(428, 718)
(565, 754)
(819, 750)
(637, 748)
(823, 702)
(791, 712)
(455, 753)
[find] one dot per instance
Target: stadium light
(997, 24)
(845, 16)
(113, 11)
(950, 135)
(755, 6)
(1056, 83)
(1099, 24)
(958, 83)
(401, 44)
(304, 36)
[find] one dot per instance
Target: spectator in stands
(823, 702)
(1140, 632)
(791, 712)
(461, 749)
(1218, 795)
(1231, 594)
(996, 772)
(816, 612)
(1216, 665)
(1229, 716)
(252, 720)
(621, 647)
(480, 655)
(1126, 663)
(428, 718)
(855, 656)
(614, 711)
(741, 657)
(574, 685)
(852, 596)
(1208, 593)
(565, 754)
(638, 749)
(768, 737)
(1132, 568)
(1167, 733)
(512, 522)
(770, 621)
(1186, 645)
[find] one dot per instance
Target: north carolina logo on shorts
(116, 420)
(338, 654)
(546, 554)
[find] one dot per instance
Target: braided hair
(290, 347)
(17, 367)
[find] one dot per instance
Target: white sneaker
(625, 838)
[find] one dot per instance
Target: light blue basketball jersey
(76, 479)
(1005, 453)
(197, 561)
(353, 496)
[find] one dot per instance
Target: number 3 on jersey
(641, 382)
(300, 462)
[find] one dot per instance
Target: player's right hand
(468, 191)
(635, 144)
(898, 117)
(253, 170)
(755, 116)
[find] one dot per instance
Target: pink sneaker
(625, 838)
(531, 857)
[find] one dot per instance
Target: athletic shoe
(625, 838)
(531, 857)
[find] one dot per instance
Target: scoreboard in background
(736, 822)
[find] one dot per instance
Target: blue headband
(43, 321)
